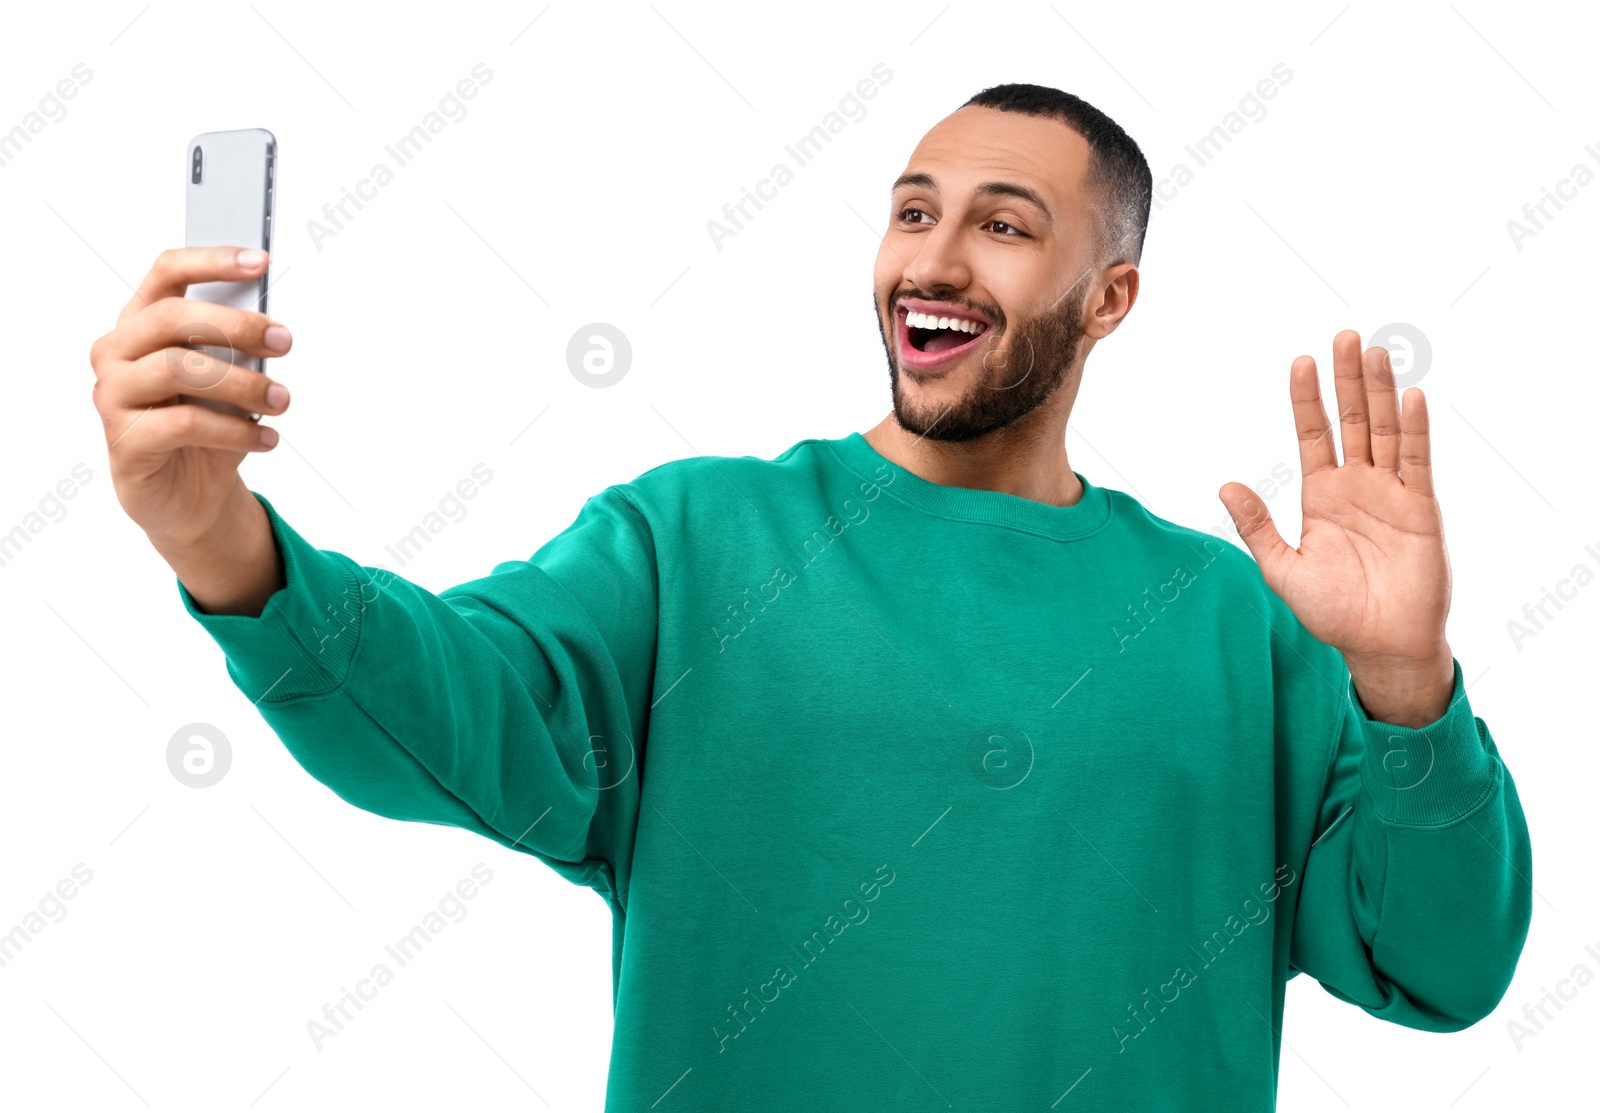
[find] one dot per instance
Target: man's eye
(919, 212)
(1003, 224)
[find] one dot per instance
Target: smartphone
(228, 201)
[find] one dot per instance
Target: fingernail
(277, 396)
(269, 437)
(251, 259)
(276, 339)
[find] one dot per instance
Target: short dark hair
(1118, 177)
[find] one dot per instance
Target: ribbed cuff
(1426, 776)
(302, 642)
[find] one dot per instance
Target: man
(918, 771)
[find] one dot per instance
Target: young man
(918, 771)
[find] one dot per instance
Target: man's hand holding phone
(175, 467)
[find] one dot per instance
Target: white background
(432, 330)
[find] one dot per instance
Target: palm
(191, 483)
(196, 476)
(1371, 576)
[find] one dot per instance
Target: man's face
(963, 242)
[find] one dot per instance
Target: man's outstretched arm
(509, 705)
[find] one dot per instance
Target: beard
(1012, 382)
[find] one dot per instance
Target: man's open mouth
(929, 340)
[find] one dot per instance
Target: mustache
(992, 312)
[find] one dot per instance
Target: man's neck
(1026, 459)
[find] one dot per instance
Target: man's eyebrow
(1020, 191)
(917, 178)
(921, 180)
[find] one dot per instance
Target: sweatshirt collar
(1088, 515)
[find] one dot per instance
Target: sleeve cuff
(1426, 776)
(302, 642)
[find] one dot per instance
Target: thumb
(1254, 523)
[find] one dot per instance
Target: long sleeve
(1418, 890)
(509, 705)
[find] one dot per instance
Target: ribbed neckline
(968, 504)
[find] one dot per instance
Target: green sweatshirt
(914, 797)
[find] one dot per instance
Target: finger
(176, 322)
(1310, 419)
(178, 268)
(162, 430)
(1416, 452)
(162, 375)
(1254, 522)
(1383, 408)
(1350, 392)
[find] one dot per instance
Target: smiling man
(917, 771)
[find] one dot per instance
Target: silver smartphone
(229, 202)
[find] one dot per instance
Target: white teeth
(924, 320)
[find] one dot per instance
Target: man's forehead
(977, 144)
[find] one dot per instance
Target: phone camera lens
(194, 175)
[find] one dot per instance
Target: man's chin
(928, 417)
(943, 429)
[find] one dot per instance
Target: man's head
(1024, 213)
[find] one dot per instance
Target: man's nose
(940, 260)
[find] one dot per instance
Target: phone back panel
(231, 205)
